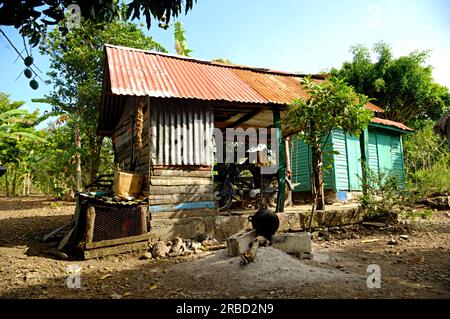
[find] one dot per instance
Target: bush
(384, 197)
(435, 179)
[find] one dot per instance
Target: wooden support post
(281, 160)
(289, 169)
(364, 145)
(90, 224)
(144, 213)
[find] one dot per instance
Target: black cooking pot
(265, 222)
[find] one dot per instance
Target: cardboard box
(127, 183)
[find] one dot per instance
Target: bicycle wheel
(222, 196)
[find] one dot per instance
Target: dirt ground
(415, 266)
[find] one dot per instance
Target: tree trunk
(77, 138)
(289, 170)
(95, 146)
(6, 184)
(27, 184)
(14, 181)
(318, 178)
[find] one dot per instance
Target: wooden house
(380, 145)
(160, 111)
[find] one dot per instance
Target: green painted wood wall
(301, 159)
(385, 153)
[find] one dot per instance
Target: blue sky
(289, 35)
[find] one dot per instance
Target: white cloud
(374, 16)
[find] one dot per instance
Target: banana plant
(180, 40)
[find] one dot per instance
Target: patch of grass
(55, 205)
(425, 182)
(415, 215)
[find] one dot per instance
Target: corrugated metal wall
(181, 135)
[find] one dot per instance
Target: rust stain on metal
(391, 123)
(146, 73)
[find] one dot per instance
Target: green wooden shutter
(354, 162)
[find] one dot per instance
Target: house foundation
(221, 226)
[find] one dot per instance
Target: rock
(116, 296)
(210, 242)
(355, 236)
(404, 237)
(174, 254)
(447, 214)
(160, 249)
(392, 242)
(146, 255)
(176, 246)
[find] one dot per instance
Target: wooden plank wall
(121, 138)
(176, 156)
(128, 155)
(175, 188)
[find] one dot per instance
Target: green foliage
(423, 147)
(383, 197)
(403, 86)
(55, 205)
(33, 17)
(76, 63)
(427, 160)
(16, 129)
(332, 105)
(180, 40)
(54, 163)
(436, 179)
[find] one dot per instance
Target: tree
(33, 17)
(403, 86)
(76, 62)
(16, 133)
(180, 40)
(331, 105)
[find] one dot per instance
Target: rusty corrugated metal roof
(140, 72)
(373, 107)
(275, 88)
(391, 123)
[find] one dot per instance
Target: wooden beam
(186, 214)
(245, 118)
(181, 206)
(281, 161)
(117, 241)
(114, 250)
(182, 189)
